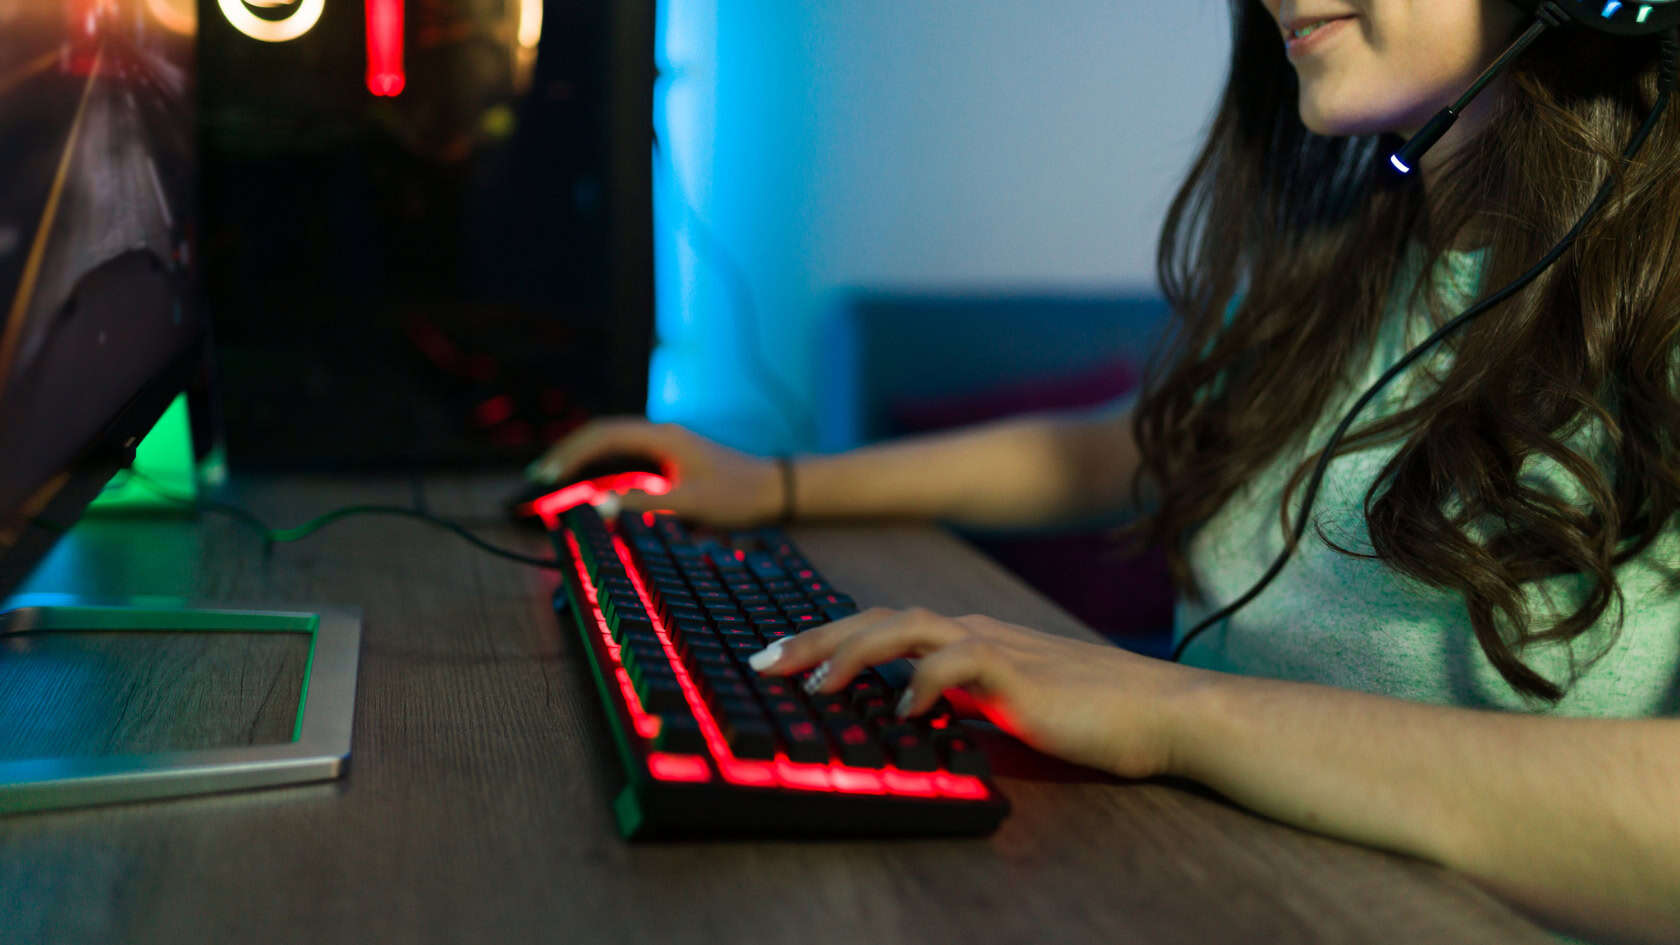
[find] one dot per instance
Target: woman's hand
(1094, 704)
(710, 483)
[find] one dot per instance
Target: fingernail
(904, 702)
(817, 678)
(767, 657)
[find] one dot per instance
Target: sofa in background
(893, 364)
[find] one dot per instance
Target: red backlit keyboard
(669, 614)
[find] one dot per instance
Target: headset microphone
(1614, 17)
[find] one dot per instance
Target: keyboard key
(661, 694)
(855, 746)
(714, 666)
(718, 690)
(830, 706)
(696, 646)
(666, 578)
(753, 740)
(911, 750)
(675, 595)
(737, 710)
(862, 688)
(638, 653)
(631, 627)
(744, 647)
(962, 756)
(833, 612)
(804, 741)
(896, 674)
(719, 672)
(676, 612)
(685, 628)
(621, 610)
(770, 687)
(874, 710)
(640, 638)
(680, 734)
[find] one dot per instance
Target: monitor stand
(319, 748)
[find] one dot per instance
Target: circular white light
(301, 21)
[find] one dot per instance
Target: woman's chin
(1341, 125)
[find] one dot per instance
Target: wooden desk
(476, 809)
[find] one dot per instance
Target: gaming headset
(1639, 18)
(1636, 18)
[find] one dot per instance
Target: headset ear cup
(1615, 17)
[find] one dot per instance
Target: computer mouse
(543, 503)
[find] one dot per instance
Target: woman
(1496, 532)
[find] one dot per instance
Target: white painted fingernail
(815, 680)
(609, 505)
(904, 702)
(767, 657)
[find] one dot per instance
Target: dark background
(454, 276)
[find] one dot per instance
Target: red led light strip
(646, 725)
(385, 76)
(831, 777)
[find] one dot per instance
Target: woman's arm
(1577, 820)
(1037, 471)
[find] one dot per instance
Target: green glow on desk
(165, 457)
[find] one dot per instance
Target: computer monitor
(100, 328)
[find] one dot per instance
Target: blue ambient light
(1611, 8)
(1399, 165)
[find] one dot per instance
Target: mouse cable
(706, 243)
(273, 536)
(1666, 81)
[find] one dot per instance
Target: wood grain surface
(77, 693)
(476, 808)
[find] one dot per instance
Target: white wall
(938, 144)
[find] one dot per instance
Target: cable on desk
(273, 536)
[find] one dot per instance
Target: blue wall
(947, 145)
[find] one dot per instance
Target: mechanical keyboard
(669, 613)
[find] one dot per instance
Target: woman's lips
(1318, 37)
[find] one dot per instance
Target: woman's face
(1389, 65)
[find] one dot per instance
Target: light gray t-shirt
(1355, 623)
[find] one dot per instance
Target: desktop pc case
(452, 273)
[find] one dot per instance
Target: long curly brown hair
(1311, 230)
